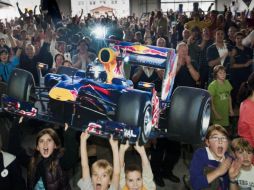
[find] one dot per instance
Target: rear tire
(20, 85)
(189, 115)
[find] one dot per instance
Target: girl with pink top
(246, 115)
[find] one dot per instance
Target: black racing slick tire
(189, 115)
(20, 85)
(134, 109)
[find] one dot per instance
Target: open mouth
(246, 162)
(45, 151)
(220, 150)
(98, 186)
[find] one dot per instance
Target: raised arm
(52, 47)
(146, 168)
(233, 172)
(141, 151)
(122, 150)
(81, 14)
(116, 163)
(19, 10)
(84, 156)
(11, 38)
(20, 46)
(210, 7)
(192, 70)
(70, 156)
(35, 10)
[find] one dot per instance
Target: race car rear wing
(142, 55)
(146, 55)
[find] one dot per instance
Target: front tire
(134, 109)
(20, 85)
(146, 128)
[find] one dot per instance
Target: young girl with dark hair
(48, 166)
(246, 114)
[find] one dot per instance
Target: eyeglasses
(217, 139)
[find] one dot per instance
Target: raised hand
(190, 40)
(139, 149)
(8, 31)
(234, 169)
(124, 147)
(224, 166)
(84, 136)
(113, 143)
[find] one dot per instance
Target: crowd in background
(217, 55)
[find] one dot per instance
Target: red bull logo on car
(140, 49)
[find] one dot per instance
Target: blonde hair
(180, 44)
(104, 164)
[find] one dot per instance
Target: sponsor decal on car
(156, 110)
(129, 133)
(94, 128)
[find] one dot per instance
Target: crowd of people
(215, 52)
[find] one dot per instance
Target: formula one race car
(102, 101)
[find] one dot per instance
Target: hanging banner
(247, 2)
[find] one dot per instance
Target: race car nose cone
(62, 94)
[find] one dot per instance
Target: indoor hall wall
(65, 6)
(142, 6)
(242, 5)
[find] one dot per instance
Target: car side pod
(189, 115)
